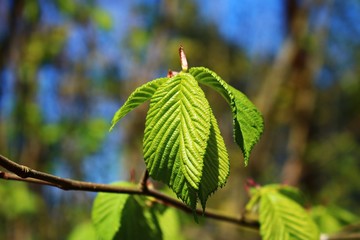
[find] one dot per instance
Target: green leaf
(211, 79)
(326, 222)
(107, 211)
(252, 207)
(139, 96)
(138, 221)
(123, 216)
(248, 123)
(292, 193)
(216, 163)
(346, 217)
(176, 133)
(84, 230)
(169, 221)
(332, 219)
(283, 218)
(288, 191)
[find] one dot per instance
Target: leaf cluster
(182, 144)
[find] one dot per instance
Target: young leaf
(106, 213)
(332, 219)
(123, 216)
(248, 123)
(288, 191)
(247, 120)
(138, 221)
(216, 163)
(176, 133)
(292, 193)
(283, 218)
(139, 96)
(170, 223)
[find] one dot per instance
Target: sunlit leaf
(139, 96)
(248, 123)
(106, 213)
(253, 205)
(247, 120)
(123, 216)
(286, 190)
(216, 163)
(176, 134)
(283, 218)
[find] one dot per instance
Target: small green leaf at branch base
(106, 213)
(123, 216)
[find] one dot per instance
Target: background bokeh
(67, 66)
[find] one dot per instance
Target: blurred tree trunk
(6, 57)
(24, 145)
(292, 74)
(306, 65)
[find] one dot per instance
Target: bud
(183, 61)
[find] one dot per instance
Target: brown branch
(342, 236)
(144, 181)
(26, 174)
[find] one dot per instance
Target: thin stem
(144, 180)
(342, 236)
(26, 174)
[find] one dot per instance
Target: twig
(144, 180)
(26, 174)
(342, 236)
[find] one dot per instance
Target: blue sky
(255, 25)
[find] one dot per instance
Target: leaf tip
(246, 161)
(113, 123)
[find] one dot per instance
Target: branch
(144, 181)
(26, 174)
(341, 236)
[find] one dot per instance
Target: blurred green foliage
(332, 219)
(91, 81)
(83, 231)
(21, 202)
